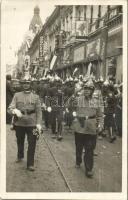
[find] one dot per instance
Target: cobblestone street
(47, 178)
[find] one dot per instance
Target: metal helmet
(89, 84)
(26, 79)
(106, 83)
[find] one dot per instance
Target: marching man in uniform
(26, 109)
(87, 122)
(56, 109)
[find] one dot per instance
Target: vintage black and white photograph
(64, 84)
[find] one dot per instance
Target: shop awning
(53, 61)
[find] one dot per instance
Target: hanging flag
(103, 49)
(89, 69)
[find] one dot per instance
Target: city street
(65, 83)
(47, 177)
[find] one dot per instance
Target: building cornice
(50, 19)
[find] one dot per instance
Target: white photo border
(87, 195)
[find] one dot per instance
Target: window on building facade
(71, 22)
(112, 6)
(88, 13)
(78, 13)
(82, 13)
(67, 23)
(99, 11)
(103, 10)
(95, 12)
(108, 8)
(63, 25)
(91, 21)
(85, 12)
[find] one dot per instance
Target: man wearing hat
(87, 122)
(26, 109)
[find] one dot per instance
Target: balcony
(114, 17)
(99, 23)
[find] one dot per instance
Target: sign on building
(41, 48)
(79, 54)
(104, 37)
(66, 57)
(93, 48)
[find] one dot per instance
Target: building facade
(28, 53)
(73, 36)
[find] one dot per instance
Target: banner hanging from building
(103, 45)
(53, 62)
(103, 50)
(93, 49)
(79, 54)
(41, 48)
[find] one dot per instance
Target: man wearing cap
(87, 122)
(26, 109)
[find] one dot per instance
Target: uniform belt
(90, 117)
(28, 112)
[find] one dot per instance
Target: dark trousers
(68, 119)
(20, 135)
(46, 118)
(56, 122)
(87, 142)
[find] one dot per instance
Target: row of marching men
(90, 107)
(87, 105)
(58, 102)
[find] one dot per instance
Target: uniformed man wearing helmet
(56, 108)
(26, 108)
(109, 112)
(87, 121)
(68, 93)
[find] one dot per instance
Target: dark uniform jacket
(88, 108)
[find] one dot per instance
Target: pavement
(47, 177)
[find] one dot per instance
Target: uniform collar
(27, 92)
